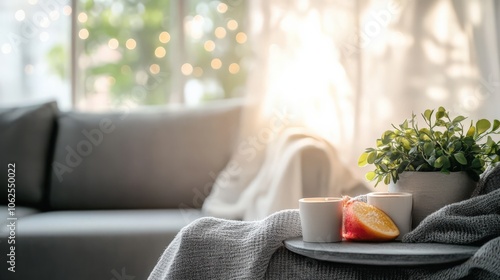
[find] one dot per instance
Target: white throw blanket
(255, 192)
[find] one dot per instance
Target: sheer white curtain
(330, 76)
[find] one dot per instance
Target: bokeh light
(130, 44)
(83, 33)
(67, 10)
(209, 45)
(187, 69)
(20, 15)
(164, 37)
(241, 37)
(82, 17)
(216, 63)
(234, 68)
(220, 32)
(113, 44)
(222, 8)
(232, 24)
(160, 52)
(154, 69)
(6, 48)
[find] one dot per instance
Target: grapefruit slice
(365, 222)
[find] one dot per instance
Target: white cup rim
(389, 194)
(319, 199)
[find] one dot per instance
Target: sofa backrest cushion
(163, 158)
(26, 139)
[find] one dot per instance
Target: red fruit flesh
(364, 222)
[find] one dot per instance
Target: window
(124, 53)
(34, 51)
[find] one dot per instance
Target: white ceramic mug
(397, 205)
(321, 219)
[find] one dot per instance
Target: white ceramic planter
(433, 190)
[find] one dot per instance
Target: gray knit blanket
(211, 248)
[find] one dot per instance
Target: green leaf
(402, 167)
(384, 168)
(482, 126)
(370, 159)
(428, 148)
(440, 113)
(490, 142)
(406, 144)
(362, 160)
(458, 119)
(387, 137)
(428, 114)
(387, 180)
(471, 131)
(460, 157)
(404, 125)
(440, 161)
(476, 163)
(496, 125)
(370, 176)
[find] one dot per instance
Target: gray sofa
(99, 196)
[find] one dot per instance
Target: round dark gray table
(385, 253)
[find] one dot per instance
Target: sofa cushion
(92, 244)
(26, 139)
(20, 212)
(161, 158)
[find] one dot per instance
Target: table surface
(383, 253)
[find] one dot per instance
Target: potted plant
(438, 163)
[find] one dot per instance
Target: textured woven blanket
(211, 248)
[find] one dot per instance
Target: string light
(20, 15)
(160, 52)
(187, 69)
(232, 24)
(154, 69)
(222, 8)
(83, 33)
(216, 63)
(164, 37)
(234, 68)
(113, 44)
(130, 44)
(220, 32)
(67, 10)
(241, 37)
(82, 17)
(6, 48)
(209, 45)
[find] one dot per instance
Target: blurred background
(345, 69)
